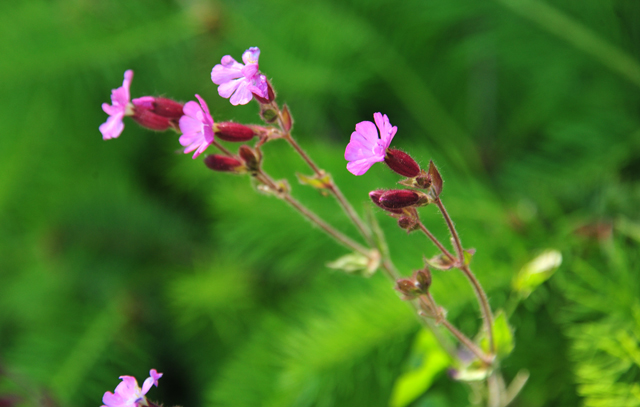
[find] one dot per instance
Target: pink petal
(242, 96)
(205, 109)
(250, 71)
(367, 130)
(251, 55)
(112, 128)
(221, 74)
(189, 125)
(359, 167)
(192, 109)
(226, 89)
(144, 102)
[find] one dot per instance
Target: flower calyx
(416, 285)
(223, 163)
(401, 163)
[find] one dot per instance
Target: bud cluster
(415, 286)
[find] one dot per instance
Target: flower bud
(407, 222)
(401, 163)
(223, 163)
(164, 107)
(146, 118)
(423, 279)
(399, 198)
(407, 288)
(168, 108)
(230, 131)
(375, 197)
(250, 156)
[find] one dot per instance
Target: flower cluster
(128, 394)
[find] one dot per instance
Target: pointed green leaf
(536, 272)
(427, 360)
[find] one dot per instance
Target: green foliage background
(120, 256)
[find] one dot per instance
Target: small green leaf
(440, 262)
(357, 263)
(427, 360)
(536, 272)
(502, 336)
(316, 181)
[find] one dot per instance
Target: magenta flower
(119, 108)
(365, 147)
(128, 394)
(197, 127)
(240, 81)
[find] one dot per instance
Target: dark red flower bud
(150, 120)
(168, 108)
(399, 198)
(402, 163)
(375, 197)
(250, 156)
(223, 163)
(230, 131)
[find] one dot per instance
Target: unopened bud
(223, 163)
(230, 131)
(168, 108)
(402, 163)
(407, 222)
(375, 197)
(150, 120)
(399, 198)
(407, 288)
(423, 278)
(250, 156)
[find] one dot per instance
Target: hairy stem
(435, 241)
(485, 308)
(307, 213)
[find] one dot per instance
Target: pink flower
(128, 394)
(365, 148)
(240, 81)
(119, 108)
(197, 127)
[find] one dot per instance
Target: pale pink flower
(128, 394)
(240, 81)
(196, 126)
(365, 147)
(120, 107)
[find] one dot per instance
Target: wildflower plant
(475, 359)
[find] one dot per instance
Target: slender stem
(467, 342)
(330, 230)
(333, 188)
(221, 148)
(303, 154)
(452, 229)
(436, 241)
(485, 308)
(484, 304)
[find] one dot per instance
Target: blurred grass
(120, 256)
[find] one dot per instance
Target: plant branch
(485, 308)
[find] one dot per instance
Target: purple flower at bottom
(240, 81)
(119, 108)
(128, 394)
(196, 126)
(365, 147)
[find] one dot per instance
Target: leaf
(357, 263)
(315, 181)
(502, 336)
(436, 179)
(536, 272)
(440, 262)
(427, 360)
(287, 120)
